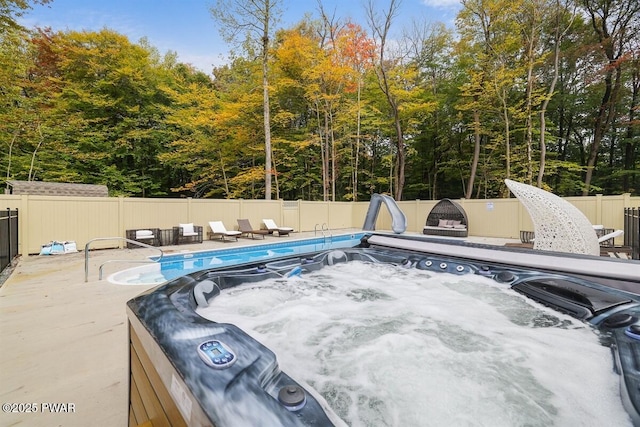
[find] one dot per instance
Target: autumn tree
(357, 51)
(254, 21)
(197, 146)
(421, 113)
(615, 23)
(436, 153)
(478, 23)
(10, 10)
(298, 53)
(381, 26)
(562, 18)
(17, 105)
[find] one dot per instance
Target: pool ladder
(324, 229)
(134, 242)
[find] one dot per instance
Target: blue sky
(186, 27)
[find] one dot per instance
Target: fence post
(24, 230)
(632, 231)
(17, 229)
(121, 226)
(635, 230)
(10, 253)
(598, 209)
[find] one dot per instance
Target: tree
(358, 51)
(381, 27)
(560, 27)
(254, 19)
(616, 23)
(12, 9)
(431, 49)
(482, 28)
(632, 123)
(15, 108)
(349, 114)
(96, 112)
(296, 90)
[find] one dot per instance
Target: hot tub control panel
(215, 354)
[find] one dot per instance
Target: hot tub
(187, 370)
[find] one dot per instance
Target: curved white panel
(559, 226)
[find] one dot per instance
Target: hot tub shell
(171, 385)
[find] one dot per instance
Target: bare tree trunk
(325, 161)
(33, 156)
(606, 114)
(507, 132)
(358, 124)
(275, 176)
(323, 154)
(476, 153)
(381, 29)
(529, 110)
(224, 177)
(267, 113)
(13, 140)
(250, 20)
(333, 158)
(556, 59)
(400, 156)
(630, 145)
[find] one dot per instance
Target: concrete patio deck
(65, 342)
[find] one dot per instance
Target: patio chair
(247, 230)
(187, 233)
(150, 236)
(447, 218)
(603, 239)
(219, 230)
(607, 239)
(271, 226)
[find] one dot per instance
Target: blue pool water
(176, 265)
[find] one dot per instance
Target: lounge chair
(607, 239)
(603, 239)
(187, 233)
(271, 226)
(247, 230)
(218, 229)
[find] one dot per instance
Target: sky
(187, 28)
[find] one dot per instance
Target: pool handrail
(324, 227)
(134, 242)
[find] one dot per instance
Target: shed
(43, 188)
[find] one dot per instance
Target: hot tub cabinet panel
(149, 399)
(172, 385)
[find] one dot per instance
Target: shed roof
(58, 189)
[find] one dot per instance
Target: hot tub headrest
(336, 256)
(205, 291)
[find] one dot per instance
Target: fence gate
(632, 231)
(8, 237)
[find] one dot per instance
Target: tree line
(540, 91)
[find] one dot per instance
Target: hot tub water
(391, 346)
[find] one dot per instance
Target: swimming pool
(176, 265)
(218, 374)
